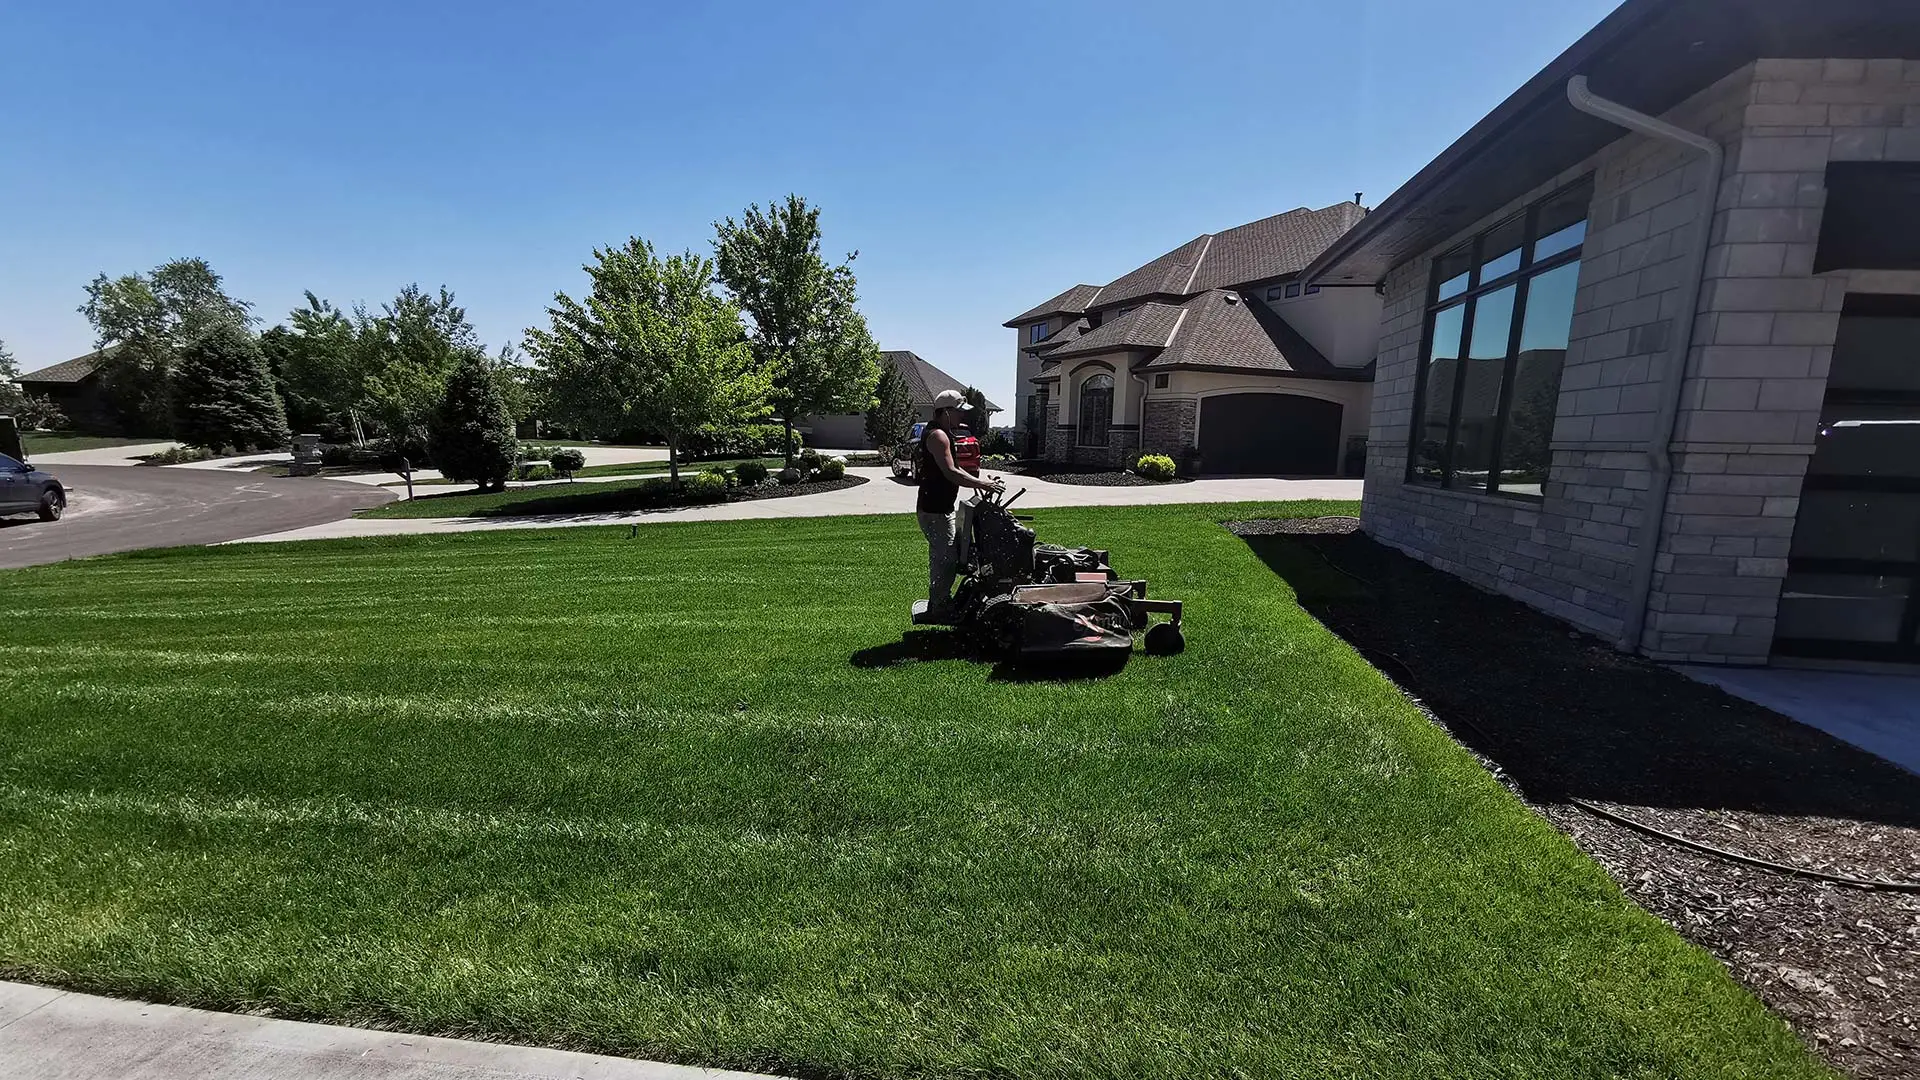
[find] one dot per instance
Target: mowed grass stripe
(634, 796)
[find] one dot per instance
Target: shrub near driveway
(741, 825)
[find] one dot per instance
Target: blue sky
(981, 157)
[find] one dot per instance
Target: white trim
(1175, 332)
(1195, 272)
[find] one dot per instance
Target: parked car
(26, 490)
(966, 452)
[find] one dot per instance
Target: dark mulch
(1561, 716)
(1085, 476)
(787, 491)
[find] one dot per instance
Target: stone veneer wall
(1764, 332)
(1169, 425)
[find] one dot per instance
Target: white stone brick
(1784, 154)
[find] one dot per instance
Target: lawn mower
(1024, 600)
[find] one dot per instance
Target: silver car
(26, 490)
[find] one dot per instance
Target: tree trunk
(788, 420)
(673, 459)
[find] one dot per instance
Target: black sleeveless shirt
(937, 492)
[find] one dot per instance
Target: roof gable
(1222, 328)
(922, 378)
(1074, 301)
(68, 371)
(1145, 327)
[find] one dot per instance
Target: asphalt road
(121, 508)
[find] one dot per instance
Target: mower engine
(1025, 599)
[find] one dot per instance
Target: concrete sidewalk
(880, 495)
(1877, 713)
(55, 1035)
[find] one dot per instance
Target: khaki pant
(943, 558)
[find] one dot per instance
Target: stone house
(1215, 353)
(1650, 352)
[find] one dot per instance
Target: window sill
(1488, 497)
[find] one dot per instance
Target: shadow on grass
(926, 646)
(1565, 714)
(618, 497)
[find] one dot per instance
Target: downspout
(1674, 377)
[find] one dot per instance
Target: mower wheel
(1165, 639)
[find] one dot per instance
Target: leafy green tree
(407, 353)
(892, 410)
(316, 362)
(223, 393)
(144, 321)
(650, 347)
(470, 434)
(808, 334)
(975, 413)
(11, 396)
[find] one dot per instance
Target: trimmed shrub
(1154, 467)
(177, 455)
(736, 440)
(536, 472)
(750, 473)
(789, 476)
(833, 469)
(566, 460)
(998, 461)
(809, 461)
(719, 471)
(707, 487)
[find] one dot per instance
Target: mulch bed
(1079, 474)
(1562, 717)
(787, 491)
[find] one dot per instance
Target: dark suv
(966, 452)
(26, 490)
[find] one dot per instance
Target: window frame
(1274, 292)
(1521, 280)
(1038, 332)
(1313, 290)
(1293, 290)
(1080, 410)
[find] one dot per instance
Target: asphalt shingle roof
(922, 378)
(1072, 302)
(1274, 247)
(1165, 276)
(1145, 327)
(1073, 331)
(1226, 329)
(67, 371)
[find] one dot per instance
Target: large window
(1500, 308)
(1037, 332)
(1096, 410)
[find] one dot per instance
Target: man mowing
(940, 484)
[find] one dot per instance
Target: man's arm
(941, 447)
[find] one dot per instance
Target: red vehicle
(966, 452)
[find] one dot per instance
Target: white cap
(949, 399)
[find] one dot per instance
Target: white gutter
(1674, 377)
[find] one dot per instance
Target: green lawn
(677, 796)
(59, 442)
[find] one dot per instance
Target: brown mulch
(1087, 477)
(1563, 717)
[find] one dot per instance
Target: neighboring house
(75, 386)
(848, 431)
(1215, 353)
(1678, 410)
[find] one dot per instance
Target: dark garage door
(1282, 434)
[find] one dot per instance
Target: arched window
(1096, 410)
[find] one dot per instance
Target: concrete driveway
(116, 508)
(881, 495)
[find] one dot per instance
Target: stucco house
(848, 431)
(1215, 353)
(1650, 353)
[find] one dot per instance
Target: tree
(11, 396)
(651, 346)
(316, 362)
(144, 321)
(408, 354)
(223, 393)
(470, 434)
(975, 413)
(809, 337)
(892, 408)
